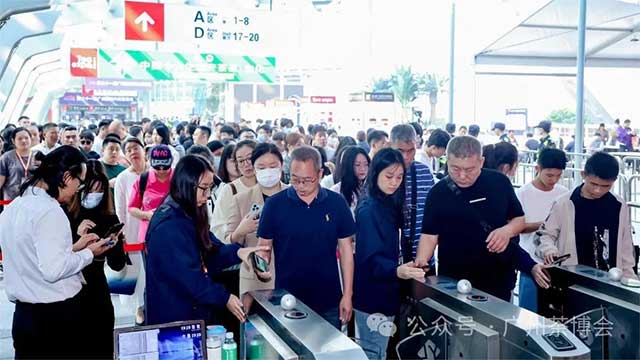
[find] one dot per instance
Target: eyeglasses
(206, 189)
(241, 161)
(297, 181)
(85, 142)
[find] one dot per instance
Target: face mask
(91, 200)
(262, 138)
(268, 177)
(216, 162)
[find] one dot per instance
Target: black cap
(545, 125)
(500, 126)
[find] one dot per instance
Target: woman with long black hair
(377, 274)
(42, 266)
(91, 211)
(352, 171)
(182, 254)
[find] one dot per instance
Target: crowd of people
(340, 222)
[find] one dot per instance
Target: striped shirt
(424, 183)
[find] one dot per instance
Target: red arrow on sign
(143, 21)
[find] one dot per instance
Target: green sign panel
(154, 65)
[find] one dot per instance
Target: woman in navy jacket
(377, 273)
(181, 252)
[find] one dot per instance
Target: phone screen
(113, 230)
(261, 264)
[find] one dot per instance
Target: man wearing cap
(498, 129)
(545, 139)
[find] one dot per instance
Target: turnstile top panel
(312, 332)
(597, 280)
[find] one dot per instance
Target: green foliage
(566, 116)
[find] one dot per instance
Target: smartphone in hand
(259, 263)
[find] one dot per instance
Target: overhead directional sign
(158, 65)
(143, 21)
(218, 28)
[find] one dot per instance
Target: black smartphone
(259, 263)
(557, 260)
(114, 229)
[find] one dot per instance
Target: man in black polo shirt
(304, 225)
(473, 214)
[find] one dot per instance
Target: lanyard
(25, 166)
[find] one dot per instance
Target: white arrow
(145, 19)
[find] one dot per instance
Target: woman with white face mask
(92, 212)
(245, 212)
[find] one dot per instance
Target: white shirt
(97, 144)
(44, 148)
(432, 162)
(39, 263)
(327, 181)
(222, 208)
(536, 205)
(123, 188)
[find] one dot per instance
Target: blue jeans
(528, 293)
(333, 317)
(372, 342)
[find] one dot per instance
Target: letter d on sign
(199, 32)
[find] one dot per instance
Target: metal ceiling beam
(575, 28)
(487, 59)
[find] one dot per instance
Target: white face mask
(269, 177)
(216, 162)
(91, 200)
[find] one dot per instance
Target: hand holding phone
(259, 263)
(113, 230)
(557, 260)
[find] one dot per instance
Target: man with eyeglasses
(474, 217)
(305, 224)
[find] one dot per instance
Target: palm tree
(433, 84)
(405, 86)
(381, 85)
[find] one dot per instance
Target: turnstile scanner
(272, 332)
(447, 324)
(603, 313)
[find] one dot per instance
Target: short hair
(266, 128)
(376, 135)
(450, 128)
(463, 147)
(104, 123)
(474, 130)
(201, 150)
(111, 140)
(145, 120)
(439, 138)
(246, 129)
(132, 140)
(602, 165)
(313, 130)
(263, 149)
(48, 126)
(214, 145)
(87, 134)
(417, 127)
(307, 153)
(135, 130)
(293, 138)
(191, 128)
(550, 158)
(361, 135)
(70, 128)
(228, 130)
(403, 133)
(205, 129)
(279, 136)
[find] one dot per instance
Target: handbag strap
(407, 247)
(458, 193)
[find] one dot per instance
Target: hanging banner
(155, 65)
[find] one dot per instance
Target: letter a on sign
(143, 21)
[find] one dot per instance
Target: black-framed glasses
(241, 161)
(206, 189)
(86, 142)
(297, 181)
